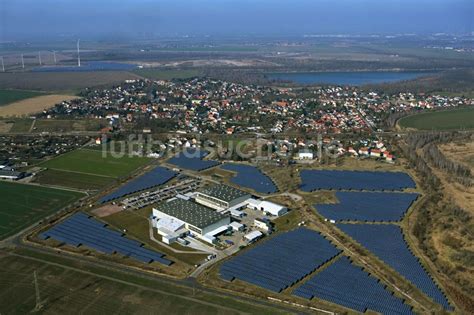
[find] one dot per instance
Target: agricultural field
(21, 125)
(66, 284)
(5, 126)
(77, 180)
(57, 125)
(62, 81)
(11, 96)
(33, 105)
(462, 118)
(91, 162)
(23, 205)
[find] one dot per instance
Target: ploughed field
(11, 96)
(101, 290)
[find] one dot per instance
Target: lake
(89, 66)
(348, 78)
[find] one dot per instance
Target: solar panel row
(157, 176)
(346, 284)
(79, 230)
(354, 180)
(192, 159)
(281, 261)
(386, 242)
(368, 206)
(251, 177)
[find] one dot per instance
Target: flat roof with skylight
(190, 212)
(224, 192)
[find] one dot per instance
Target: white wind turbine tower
(3, 65)
(22, 61)
(54, 56)
(39, 58)
(78, 54)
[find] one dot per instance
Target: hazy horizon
(30, 19)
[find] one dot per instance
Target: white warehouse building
(267, 207)
(177, 216)
(221, 197)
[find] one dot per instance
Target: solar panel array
(251, 177)
(79, 230)
(368, 206)
(354, 180)
(281, 261)
(386, 242)
(192, 159)
(346, 284)
(157, 176)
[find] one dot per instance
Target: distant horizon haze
(88, 19)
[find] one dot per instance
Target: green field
(20, 125)
(92, 162)
(76, 180)
(462, 118)
(165, 74)
(69, 286)
(22, 205)
(11, 96)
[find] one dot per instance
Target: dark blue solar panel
(42, 236)
(354, 180)
(157, 176)
(386, 242)
(346, 284)
(281, 261)
(63, 238)
(368, 206)
(251, 177)
(79, 229)
(192, 159)
(163, 261)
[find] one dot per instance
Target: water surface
(348, 78)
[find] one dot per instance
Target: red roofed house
(375, 153)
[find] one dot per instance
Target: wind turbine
(54, 56)
(39, 58)
(78, 54)
(22, 61)
(3, 65)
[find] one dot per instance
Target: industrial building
(267, 207)
(178, 216)
(12, 175)
(262, 225)
(221, 197)
(236, 226)
(253, 236)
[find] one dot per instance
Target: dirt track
(33, 105)
(107, 210)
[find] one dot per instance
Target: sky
(36, 19)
